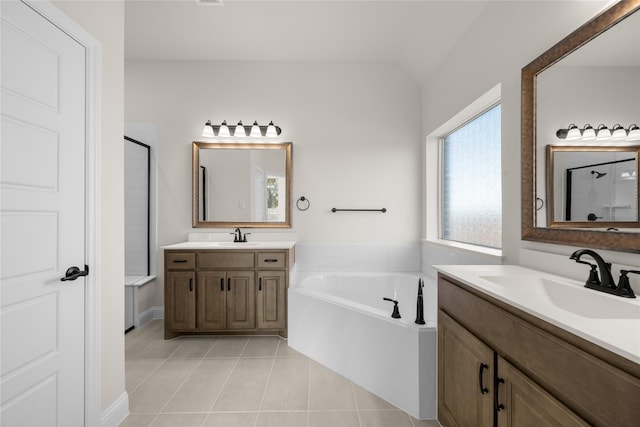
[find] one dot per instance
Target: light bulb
(207, 131)
(224, 130)
(618, 133)
(255, 131)
(239, 131)
(573, 133)
(603, 133)
(588, 134)
(633, 133)
(271, 130)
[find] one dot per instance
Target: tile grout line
(264, 392)
(308, 392)
(226, 381)
(184, 381)
(355, 401)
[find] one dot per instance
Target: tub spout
(420, 305)
(396, 312)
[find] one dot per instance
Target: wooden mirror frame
(197, 223)
(598, 239)
(552, 150)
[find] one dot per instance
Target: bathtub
(341, 321)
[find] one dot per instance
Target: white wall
(506, 37)
(355, 129)
(104, 20)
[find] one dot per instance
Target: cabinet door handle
(229, 284)
(179, 261)
(483, 389)
(496, 398)
(222, 284)
(260, 284)
(190, 285)
(271, 260)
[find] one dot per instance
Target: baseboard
(116, 413)
(149, 315)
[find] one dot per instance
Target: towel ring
(303, 200)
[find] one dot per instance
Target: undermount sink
(567, 296)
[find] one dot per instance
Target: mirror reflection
(585, 78)
(596, 84)
(241, 184)
(592, 185)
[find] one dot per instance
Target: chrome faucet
(607, 284)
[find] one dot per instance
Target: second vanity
(226, 288)
(521, 347)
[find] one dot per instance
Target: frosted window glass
(472, 196)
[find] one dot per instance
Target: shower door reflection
(590, 185)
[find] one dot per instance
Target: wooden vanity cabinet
(226, 292)
(180, 295)
(497, 364)
(465, 376)
(226, 300)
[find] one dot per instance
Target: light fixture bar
(240, 130)
(603, 133)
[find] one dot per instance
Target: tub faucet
(396, 312)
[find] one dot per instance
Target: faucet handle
(244, 239)
(593, 274)
(624, 287)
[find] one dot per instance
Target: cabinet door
(211, 297)
(241, 300)
(271, 303)
(465, 376)
(521, 402)
(180, 300)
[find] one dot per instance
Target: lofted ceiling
(416, 34)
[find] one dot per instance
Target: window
(471, 195)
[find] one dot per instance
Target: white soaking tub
(341, 321)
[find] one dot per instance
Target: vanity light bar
(602, 133)
(240, 130)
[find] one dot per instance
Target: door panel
(271, 306)
(241, 300)
(211, 295)
(42, 221)
(527, 404)
(465, 365)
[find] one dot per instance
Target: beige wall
(104, 20)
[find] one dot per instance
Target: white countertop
(232, 245)
(609, 321)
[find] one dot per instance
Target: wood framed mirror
(591, 187)
(535, 224)
(241, 185)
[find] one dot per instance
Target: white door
(42, 175)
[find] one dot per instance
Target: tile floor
(242, 381)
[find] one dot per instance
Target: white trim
(150, 314)
(432, 167)
(116, 413)
(93, 364)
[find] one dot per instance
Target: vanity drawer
(272, 260)
(226, 260)
(180, 260)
